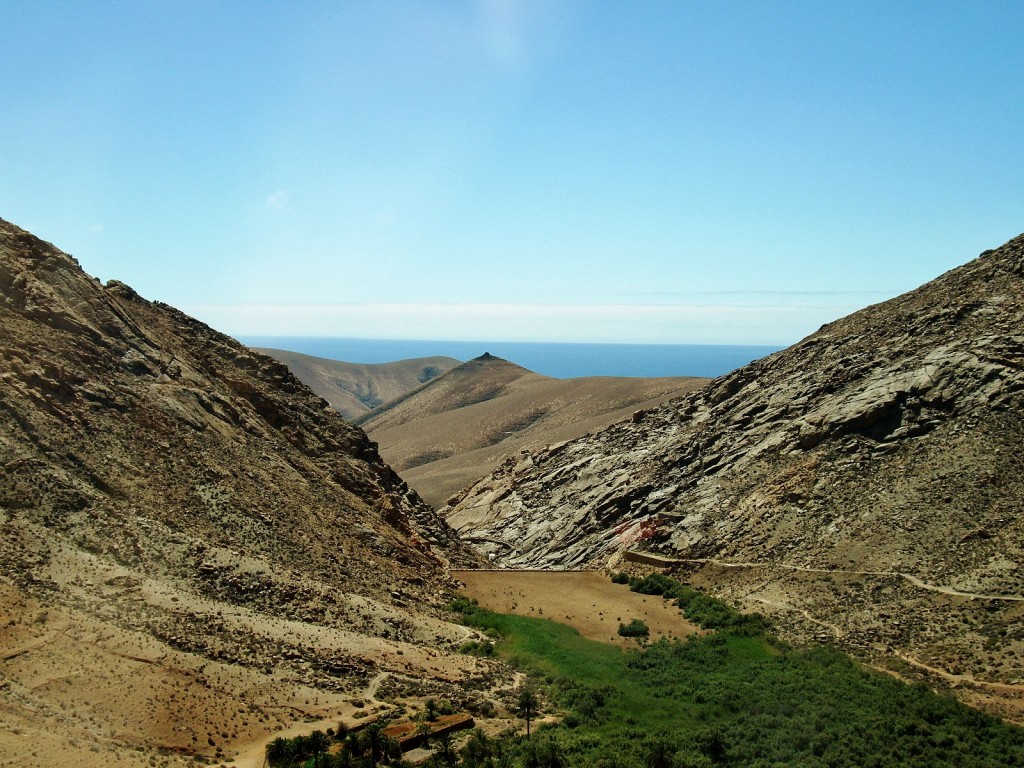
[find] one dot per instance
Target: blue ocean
(561, 361)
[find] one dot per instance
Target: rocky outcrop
(889, 441)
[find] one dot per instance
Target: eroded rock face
(159, 476)
(890, 440)
(927, 384)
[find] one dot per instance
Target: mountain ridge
(456, 428)
(195, 549)
(355, 389)
(459, 387)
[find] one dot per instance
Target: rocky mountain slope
(447, 434)
(354, 389)
(864, 485)
(194, 548)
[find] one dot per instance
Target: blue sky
(680, 172)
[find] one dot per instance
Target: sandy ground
(79, 690)
(585, 600)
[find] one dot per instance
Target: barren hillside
(864, 485)
(446, 435)
(353, 389)
(195, 550)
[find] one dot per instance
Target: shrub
(635, 628)
(465, 606)
(656, 584)
(477, 648)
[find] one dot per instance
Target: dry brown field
(588, 601)
(80, 691)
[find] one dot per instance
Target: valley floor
(585, 600)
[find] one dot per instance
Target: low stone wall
(405, 733)
(648, 559)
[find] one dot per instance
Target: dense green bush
(477, 648)
(734, 697)
(701, 609)
(635, 628)
(465, 606)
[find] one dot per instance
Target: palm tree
(444, 751)
(527, 706)
(431, 710)
(392, 750)
(375, 741)
(278, 752)
(355, 744)
(478, 751)
(318, 742)
(659, 753)
(501, 755)
(424, 733)
(551, 755)
(531, 755)
(301, 749)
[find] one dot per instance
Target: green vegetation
(362, 749)
(734, 697)
(700, 608)
(635, 628)
(527, 706)
(477, 648)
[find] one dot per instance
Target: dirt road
(916, 581)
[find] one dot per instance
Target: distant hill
(447, 434)
(863, 486)
(353, 389)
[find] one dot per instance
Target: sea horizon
(556, 359)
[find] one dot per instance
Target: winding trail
(370, 694)
(917, 582)
(836, 631)
(951, 677)
(955, 678)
